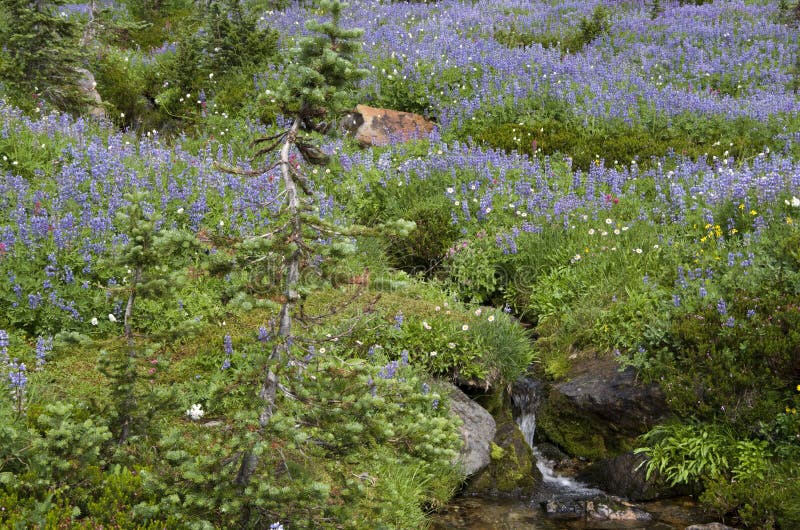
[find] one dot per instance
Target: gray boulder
(88, 88)
(477, 430)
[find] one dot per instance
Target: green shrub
(506, 347)
(729, 470)
(423, 250)
(573, 41)
(474, 269)
(549, 127)
(128, 86)
(337, 428)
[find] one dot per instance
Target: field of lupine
(607, 179)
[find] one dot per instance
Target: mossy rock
(576, 433)
(600, 411)
(512, 471)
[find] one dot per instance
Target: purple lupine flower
(676, 300)
(263, 334)
(34, 300)
(389, 371)
(398, 320)
(43, 347)
(17, 379)
(4, 342)
(228, 344)
(722, 307)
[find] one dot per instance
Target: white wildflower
(195, 412)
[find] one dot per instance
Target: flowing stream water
(495, 513)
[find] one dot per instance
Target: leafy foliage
(41, 57)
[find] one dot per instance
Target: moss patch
(512, 471)
(577, 432)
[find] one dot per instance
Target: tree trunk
(269, 387)
(130, 401)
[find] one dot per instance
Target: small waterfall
(526, 396)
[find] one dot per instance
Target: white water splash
(527, 424)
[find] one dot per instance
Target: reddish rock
(374, 126)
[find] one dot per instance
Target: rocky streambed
(560, 455)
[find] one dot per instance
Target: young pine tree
(319, 80)
(153, 256)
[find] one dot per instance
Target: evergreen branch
(263, 139)
(246, 172)
(370, 308)
(271, 147)
(273, 233)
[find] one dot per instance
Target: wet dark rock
(617, 397)
(603, 508)
(561, 460)
(599, 412)
(477, 430)
(625, 475)
(615, 509)
(565, 507)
